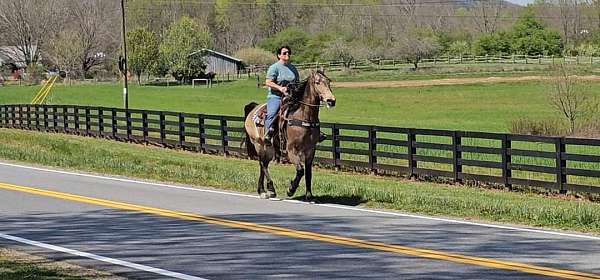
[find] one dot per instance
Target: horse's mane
(297, 91)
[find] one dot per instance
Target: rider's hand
(283, 90)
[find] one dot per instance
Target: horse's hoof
(271, 194)
(264, 195)
(309, 198)
(291, 190)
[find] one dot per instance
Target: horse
(298, 125)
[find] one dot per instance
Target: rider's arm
(270, 83)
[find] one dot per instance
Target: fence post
(37, 116)
(335, 145)
(201, 138)
(101, 122)
(45, 114)
(162, 127)
(552, 59)
(128, 125)
(88, 125)
(224, 136)
(412, 164)
(114, 122)
(506, 160)
(561, 163)
(457, 156)
(65, 112)
(145, 126)
(373, 149)
(76, 115)
(28, 116)
(257, 81)
(181, 130)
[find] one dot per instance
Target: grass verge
(109, 157)
(16, 265)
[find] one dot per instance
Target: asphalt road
(154, 231)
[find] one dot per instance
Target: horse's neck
(305, 112)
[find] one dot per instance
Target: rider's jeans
(273, 103)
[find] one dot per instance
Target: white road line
(101, 258)
(319, 205)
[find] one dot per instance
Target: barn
(219, 63)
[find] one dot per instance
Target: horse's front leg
(308, 180)
(294, 183)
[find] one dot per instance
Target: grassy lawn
(108, 157)
(484, 107)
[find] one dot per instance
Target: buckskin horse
(299, 127)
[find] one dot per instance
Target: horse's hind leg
(270, 188)
(261, 181)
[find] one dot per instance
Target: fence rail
(562, 164)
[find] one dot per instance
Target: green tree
(530, 36)
(497, 43)
(182, 39)
(293, 37)
(143, 51)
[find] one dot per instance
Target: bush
(548, 127)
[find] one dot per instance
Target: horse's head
(321, 86)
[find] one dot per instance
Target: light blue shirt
(281, 73)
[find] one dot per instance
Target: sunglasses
(286, 53)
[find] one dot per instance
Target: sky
(521, 2)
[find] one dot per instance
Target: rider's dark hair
(283, 47)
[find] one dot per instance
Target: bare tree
(485, 15)
(26, 25)
(571, 97)
(415, 47)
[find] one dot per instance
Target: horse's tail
(250, 150)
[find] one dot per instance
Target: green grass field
(483, 107)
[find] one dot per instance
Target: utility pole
(125, 87)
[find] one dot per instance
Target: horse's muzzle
(330, 102)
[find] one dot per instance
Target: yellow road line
(379, 246)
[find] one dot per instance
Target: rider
(279, 75)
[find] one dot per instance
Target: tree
(530, 36)
(64, 53)
(485, 15)
(143, 51)
(27, 26)
(93, 36)
(571, 97)
(293, 37)
(346, 51)
(415, 47)
(182, 39)
(255, 56)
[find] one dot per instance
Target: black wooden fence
(562, 164)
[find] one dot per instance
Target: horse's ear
(322, 70)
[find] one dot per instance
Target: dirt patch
(63, 268)
(440, 82)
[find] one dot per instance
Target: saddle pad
(260, 115)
